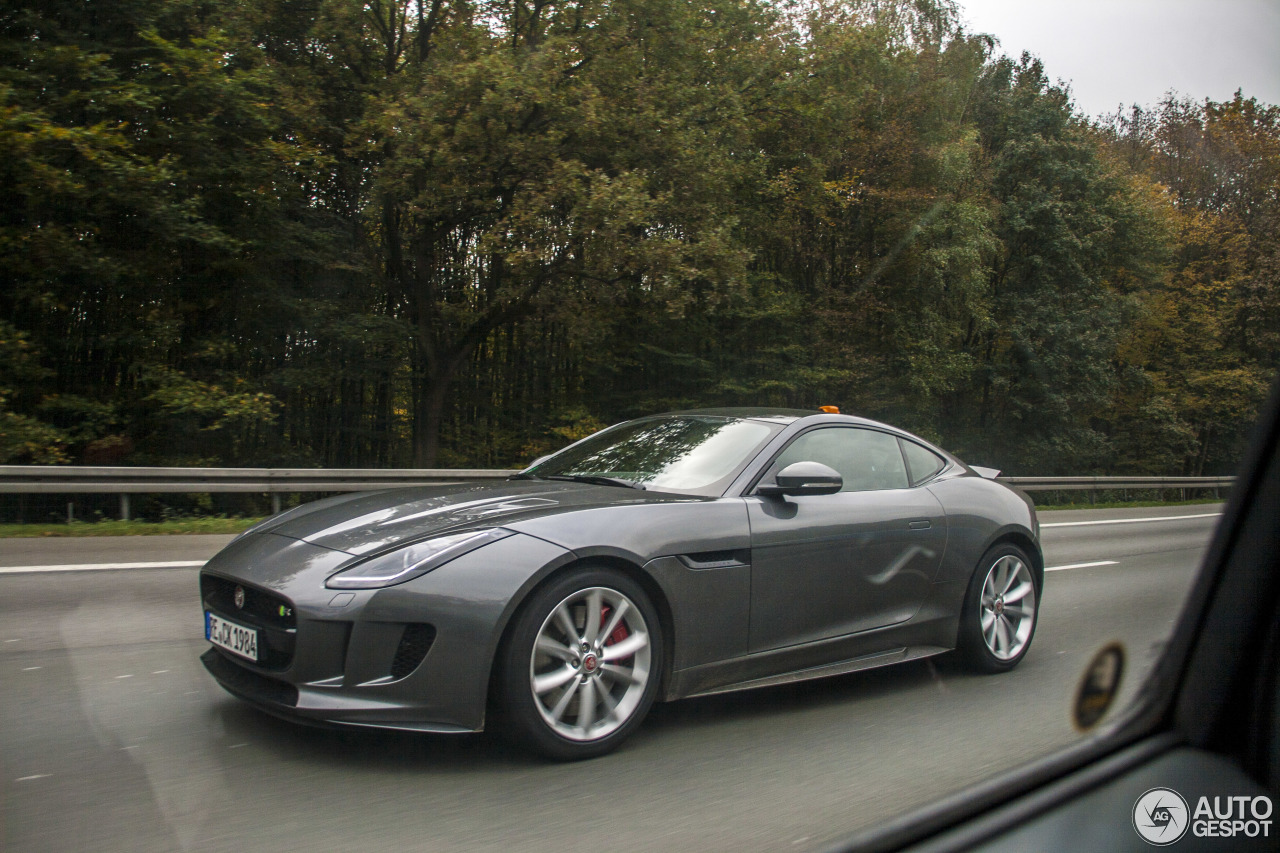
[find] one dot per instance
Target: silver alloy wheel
(588, 675)
(1008, 607)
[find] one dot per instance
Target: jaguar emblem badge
(239, 598)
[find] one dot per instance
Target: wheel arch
(968, 643)
(657, 595)
(1025, 541)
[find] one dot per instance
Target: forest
(460, 233)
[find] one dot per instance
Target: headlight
(412, 560)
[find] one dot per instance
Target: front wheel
(1000, 608)
(583, 664)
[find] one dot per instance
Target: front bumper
(415, 656)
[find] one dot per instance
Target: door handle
(922, 524)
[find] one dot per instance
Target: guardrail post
(275, 503)
(124, 507)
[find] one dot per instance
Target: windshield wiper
(596, 479)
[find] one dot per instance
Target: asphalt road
(112, 736)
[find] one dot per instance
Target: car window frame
(787, 440)
(1179, 706)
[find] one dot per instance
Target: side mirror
(804, 478)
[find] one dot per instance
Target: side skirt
(871, 661)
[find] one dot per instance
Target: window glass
(677, 453)
(922, 462)
(866, 459)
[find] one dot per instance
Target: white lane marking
(1080, 566)
(101, 567)
(36, 776)
(1130, 520)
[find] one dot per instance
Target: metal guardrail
(74, 479)
(1069, 484)
(126, 481)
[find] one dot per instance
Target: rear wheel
(1000, 609)
(583, 664)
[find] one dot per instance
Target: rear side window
(922, 463)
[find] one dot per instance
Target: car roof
(752, 412)
(778, 415)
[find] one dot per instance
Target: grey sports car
(671, 556)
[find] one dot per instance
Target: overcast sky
(1122, 52)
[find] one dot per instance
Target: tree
(391, 232)
(137, 182)
(1207, 340)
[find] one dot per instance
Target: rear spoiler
(989, 473)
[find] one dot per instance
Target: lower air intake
(415, 642)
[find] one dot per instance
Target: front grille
(415, 642)
(261, 608)
(247, 684)
(271, 614)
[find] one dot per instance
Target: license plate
(236, 639)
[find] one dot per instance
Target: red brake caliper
(619, 634)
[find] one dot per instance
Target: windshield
(684, 453)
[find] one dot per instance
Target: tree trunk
(427, 420)
(1205, 438)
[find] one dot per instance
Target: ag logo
(1160, 816)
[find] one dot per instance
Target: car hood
(369, 522)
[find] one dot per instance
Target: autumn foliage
(441, 233)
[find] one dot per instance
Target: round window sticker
(1099, 687)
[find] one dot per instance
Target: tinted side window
(866, 459)
(922, 462)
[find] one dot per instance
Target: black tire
(1000, 612)
(582, 700)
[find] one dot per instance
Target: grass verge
(1124, 504)
(131, 528)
